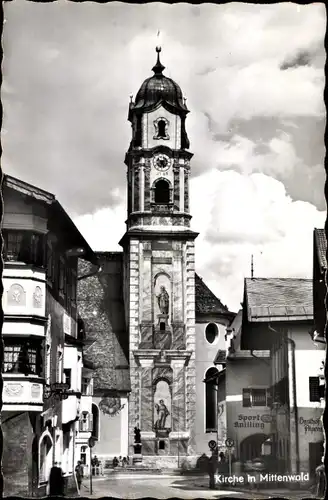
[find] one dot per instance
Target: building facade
(273, 372)
(41, 345)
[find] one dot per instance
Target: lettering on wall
(311, 424)
(254, 421)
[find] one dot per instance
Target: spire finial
(158, 68)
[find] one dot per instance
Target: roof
(205, 300)
(278, 299)
(101, 307)
(159, 89)
(320, 247)
(57, 216)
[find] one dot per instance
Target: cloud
(256, 130)
(237, 216)
(104, 228)
(67, 82)
(243, 215)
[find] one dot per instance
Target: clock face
(162, 162)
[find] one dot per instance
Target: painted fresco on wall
(162, 406)
(162, 299)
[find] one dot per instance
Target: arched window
(162, 191)
(161, 125)
(161, 128)
(211, 333)
(85, 422)
(45, 457)
(95, 421)
(211, 406)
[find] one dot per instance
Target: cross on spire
(158, 68)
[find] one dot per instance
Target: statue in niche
(162, 414)
(163, 301)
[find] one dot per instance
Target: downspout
(292, 344)
(295, 408)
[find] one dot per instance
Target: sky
(253, 76)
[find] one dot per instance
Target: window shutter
(90, 422)
(314, 389)
(247, 398)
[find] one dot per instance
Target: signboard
(212, 444)
(229, 443)
(66, 324)
(59, 386)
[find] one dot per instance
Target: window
(161, 125)
(83, 455)
(68, 377)
(86, 386)
(45, 458)
(23, 357)
(95, 421)
(211, 333)
(24, 246)
(316, 390)
(48, 363)
(162, 191)
(211, 406)
(85, 422)
(50, 270)
(61, 281)
(256, 397)
(73, 288)
(161, 445)
(59, 364)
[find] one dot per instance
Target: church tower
(159, 267)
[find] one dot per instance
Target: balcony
(22, 393)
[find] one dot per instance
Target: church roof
(101, 306)
(159, 89)
(205, 300)
(320, 245)
(278, 299)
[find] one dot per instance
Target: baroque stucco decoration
(37, 297)
(16, 295)
(111, 406)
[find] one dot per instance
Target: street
(167, 486)
(150, 485)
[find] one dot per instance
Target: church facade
(167, 350)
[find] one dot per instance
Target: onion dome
(159, 89)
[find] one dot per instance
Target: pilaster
(146, 400)
(178, 395)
